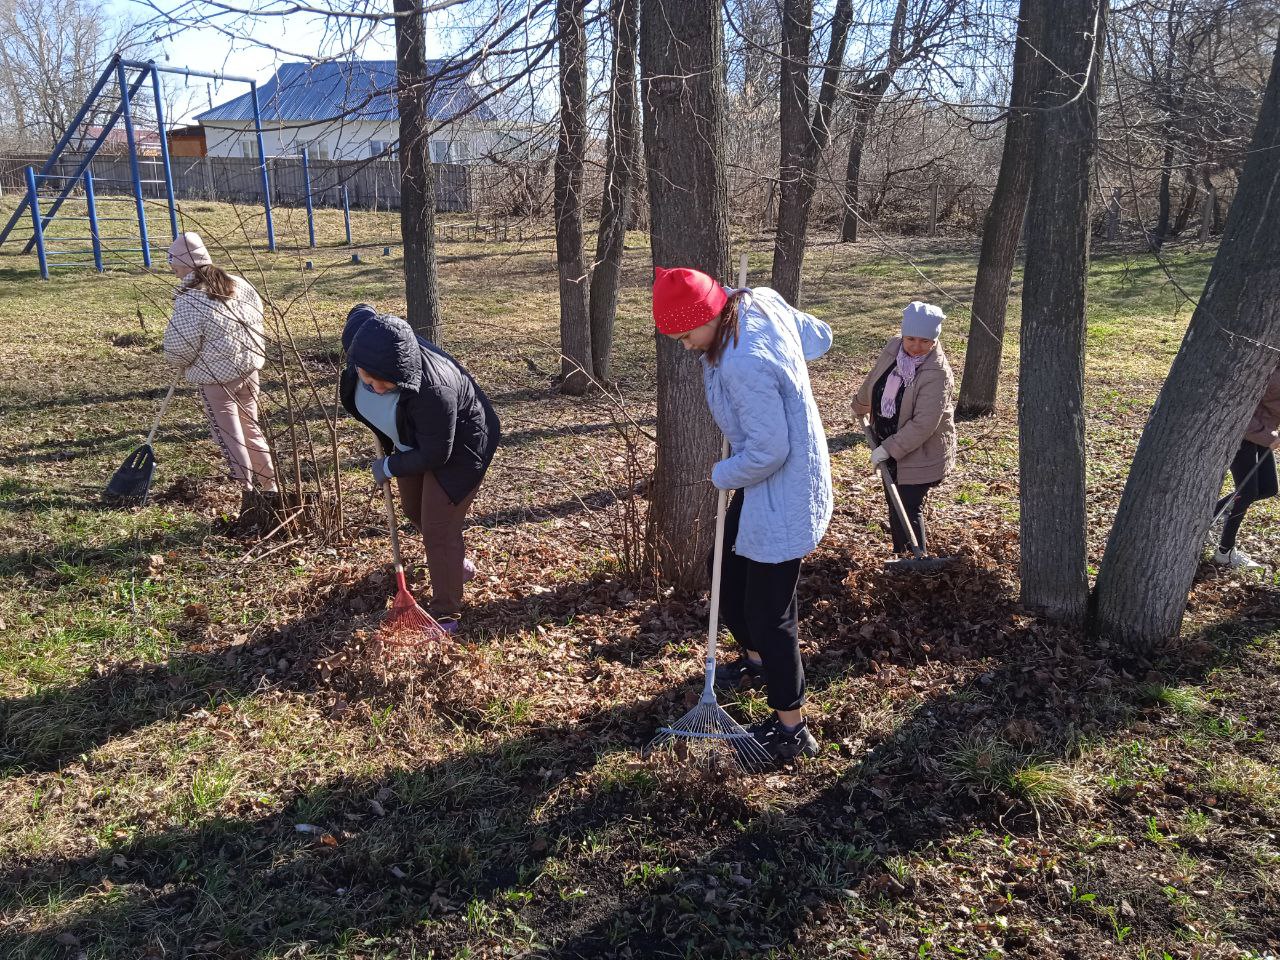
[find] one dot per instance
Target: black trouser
(912, 496)
(758, 605)
(1253, 471)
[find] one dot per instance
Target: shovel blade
(132, 481)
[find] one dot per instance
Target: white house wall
(347, 140)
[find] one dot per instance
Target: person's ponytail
(212, 281)
(726, 329)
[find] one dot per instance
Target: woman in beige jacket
(1254, 473)
(908, 395)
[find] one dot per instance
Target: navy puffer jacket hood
(356, 318)
(443, 416)
(386, 347)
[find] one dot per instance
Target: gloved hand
(879, 455)
(381, 474)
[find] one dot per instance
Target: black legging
(912, 496)
(758, 605)
(1254, 473)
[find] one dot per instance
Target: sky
(211, 50)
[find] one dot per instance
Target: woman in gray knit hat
(908, 396)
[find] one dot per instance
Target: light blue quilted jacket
(760, 397)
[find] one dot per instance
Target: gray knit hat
(922, 320)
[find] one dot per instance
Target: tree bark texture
(417, 176)
(682, 68)
(575, 321)
(1002, 225)
(1229, 351)
(803, 139)
(621, 163)
(1051, 373)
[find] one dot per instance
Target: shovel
(131, 483)
(919, 563)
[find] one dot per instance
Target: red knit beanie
(684, 299)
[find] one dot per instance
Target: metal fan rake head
(708, 736)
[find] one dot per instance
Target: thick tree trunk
(575, 322)
(682, 65)
(794, 179)
(803, 140)
(1225, 358)
(621, 162)
(1051, 388)
(417, 176)
(1003, 223)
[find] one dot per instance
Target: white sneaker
(1234, 558)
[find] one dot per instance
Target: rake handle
(891, 491)
(164, 405)
(391, 525)
(717, 555)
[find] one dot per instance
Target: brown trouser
(439, 520)
(233, 421)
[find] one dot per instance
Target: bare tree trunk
(417, 177)
(867, 98)
(1225, 358)
(621, 162)
(1165, 197)
(682, 65)
(575, 322)
(853, 172)
(1003, 224)
(1051, 388)
(803, 140)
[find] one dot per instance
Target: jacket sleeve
(435, 416)
(184, 335)
(926, 415)
(757, 402)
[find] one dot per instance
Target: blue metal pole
(262, 165)
(92, 201)
(133, 165)
(346, 213)
(38, 227)
(164, 151)
(306, 187)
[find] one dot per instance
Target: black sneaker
(783, 744)
(740, 674)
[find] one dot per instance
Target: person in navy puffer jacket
(438, 433)
(755, 348)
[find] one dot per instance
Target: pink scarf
(903, 373)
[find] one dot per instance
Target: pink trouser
(233, 421)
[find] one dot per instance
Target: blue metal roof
(351, 89)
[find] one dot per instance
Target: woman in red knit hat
(754, 348)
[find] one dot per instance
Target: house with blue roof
(346, 110)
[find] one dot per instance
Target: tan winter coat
(216, 342)
(1264, 425)
(925, 444)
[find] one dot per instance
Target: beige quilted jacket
(216, 342)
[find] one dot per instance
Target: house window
(461, 151)
(249, 149)
(440, 151)
(316, 150)
(381, 149)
